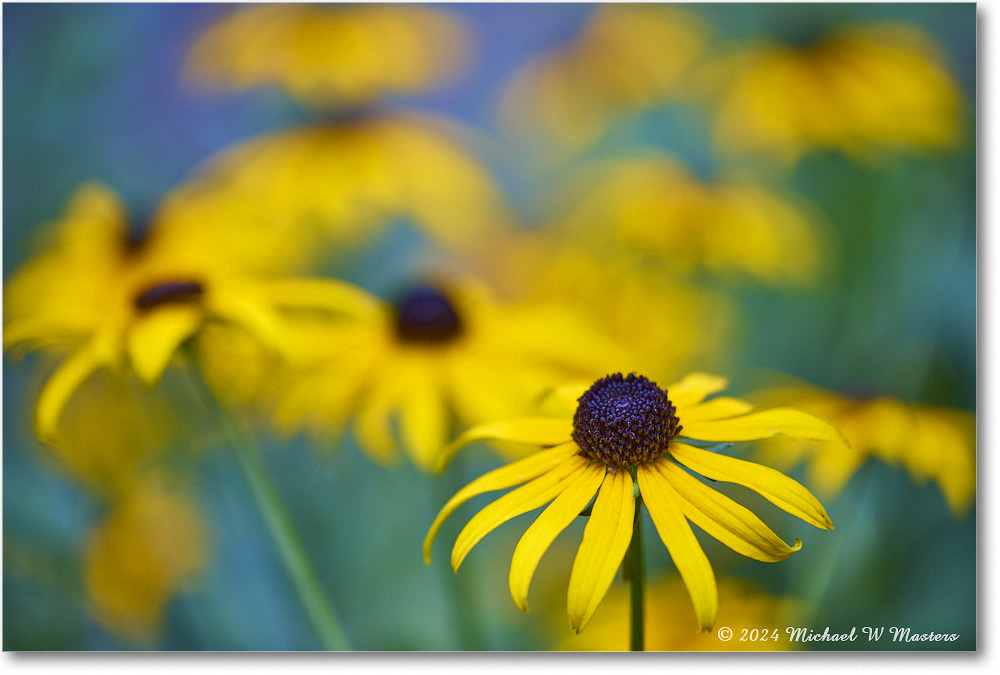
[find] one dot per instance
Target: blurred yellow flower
(147, 548)
(628, 57)
(637, 301)
(668, 621)
(331, 56)
(440, 351)
(862, 90)
(931, 442)
(625, 429)
(98, 299)
(301, 191)
(653, 204)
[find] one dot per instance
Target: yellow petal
(580, 488)
(530, 496)
(504, 477)
(531, 430)
(762, 424)
(423, 421)
(717, 408)
(686, 552)
(326, 294)
(253, 315)
(605, 541)
(66, 379)
(154, 337)
(734, 525)
(373, 423)
(694, 388)
(773, 485)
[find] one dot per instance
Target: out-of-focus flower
(98, 299)
(301, 190)
(863, 90)
(666, 324)
(653, 204)
(668, 621)
(441, 351)
(146, 549)
(628, 57)
(626, 428)
(331, 56)
(931, 442)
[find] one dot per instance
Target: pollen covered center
(624, 421)
(168, 292)
(424, 314)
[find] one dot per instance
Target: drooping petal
(734, 525)
(684, 549)
(66, 379)
(693, 388)
(243, 310)
(531, 430)
(717, 408)
(327, 294)
(580, 488)
(605, 541)
(530, 496)
(504, 477)
(762, 424)
(773, 485)
(373, 423)
(154, 336)
(423, 420)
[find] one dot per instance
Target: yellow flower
(146, 549)
(627, 58)
(667, 627)
(298, 191)
(331, 56)
(98, 299)
(627, 428)
(439, 351)
(634, 299)
(653, 204)
(862, 90)
(931, 442)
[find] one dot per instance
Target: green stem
(637, 581)
(293, 554)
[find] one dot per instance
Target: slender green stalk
(637, 582)
(307, 585)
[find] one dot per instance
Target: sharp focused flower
(437, 352)
(627, 58)
(862, 90)
(624, 444)
(331, 56)
(301, 190)
(98, 298)
(668, 621)
(931, 442)
(653, 204)
(149, 545)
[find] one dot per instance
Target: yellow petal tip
(797, 545)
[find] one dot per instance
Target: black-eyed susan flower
(625, 443)
(931, 442)
(628, 57)
(331, 56)
(742, 606)
(149, 546)
(419, 363)
(98, 298)
(862, 90)
(302, 191)
(651, 203)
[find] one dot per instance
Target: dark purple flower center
(168, 292)
(425, 315)
(624, 421)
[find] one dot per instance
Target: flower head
(99, 299)
(439, 352)
(628, 428)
